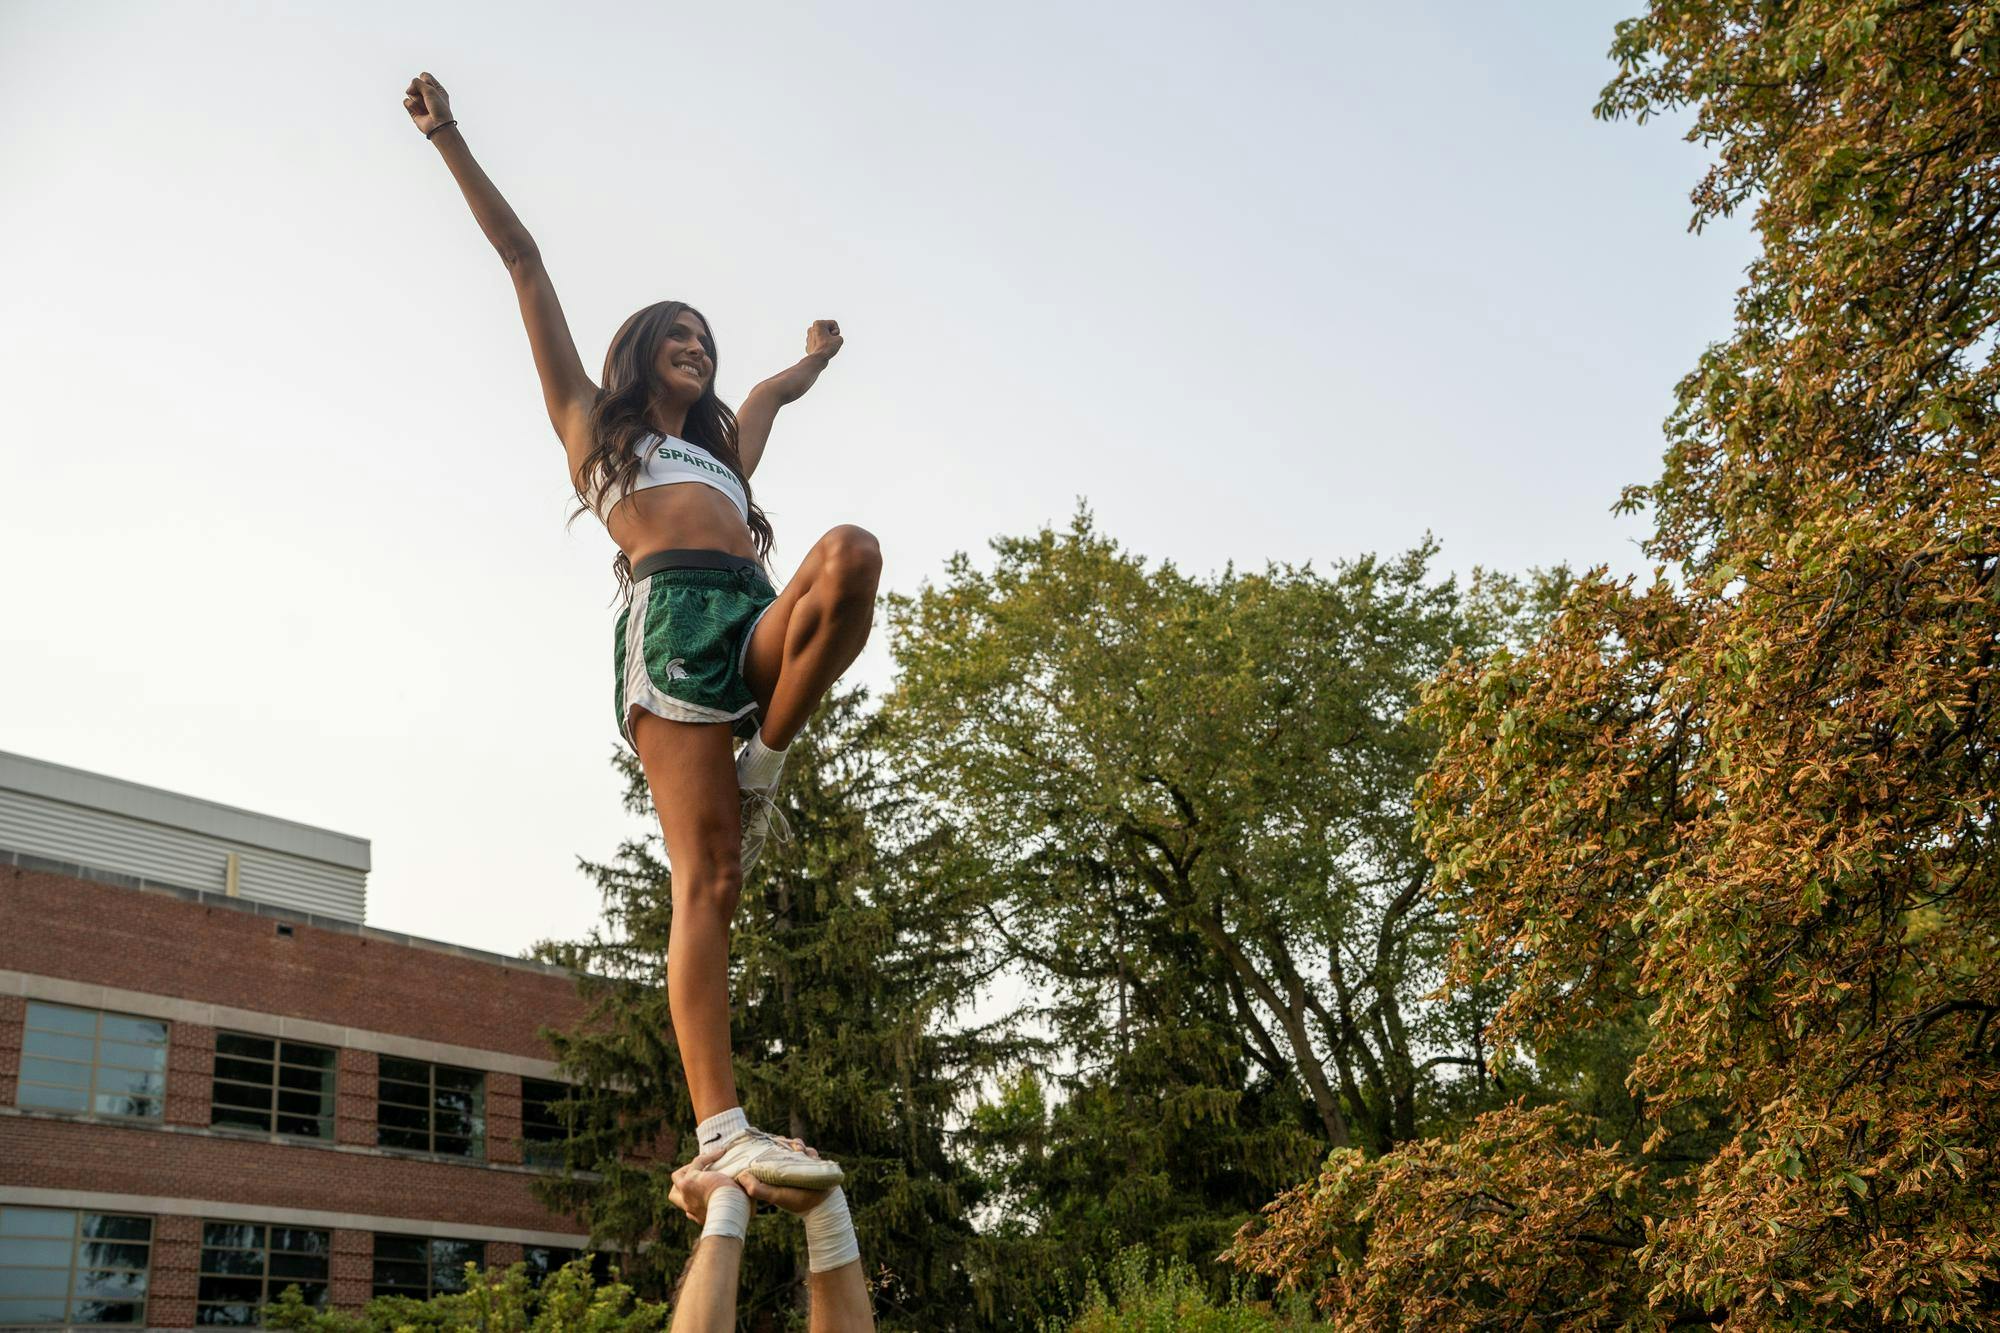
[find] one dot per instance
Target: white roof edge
(96, 791)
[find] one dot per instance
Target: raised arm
(566, 387)
(761, 404)
(838, 1287)
(705, 1301)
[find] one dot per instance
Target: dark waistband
(692, 558)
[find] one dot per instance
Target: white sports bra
(668, 461)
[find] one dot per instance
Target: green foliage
(568, 1301)
(1180, 807)
(1145, 1297)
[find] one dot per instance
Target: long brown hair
(618, 419)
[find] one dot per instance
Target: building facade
(215, 1080)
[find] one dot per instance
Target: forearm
(788, 385)
(840, 1300)
(489, 209)
(706, 1302)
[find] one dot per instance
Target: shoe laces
(756, 800)
(781, 1142)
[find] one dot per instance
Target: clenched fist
(823, 339)
(427, 102)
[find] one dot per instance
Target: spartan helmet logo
(675, 671)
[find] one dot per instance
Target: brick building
(215, 1080)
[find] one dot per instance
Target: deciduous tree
(1747, 809)
(1183, 806)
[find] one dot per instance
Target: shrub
(1142, 1299)
(494, 1302)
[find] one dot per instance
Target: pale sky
(283, 518)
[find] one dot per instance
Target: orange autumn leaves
(1519, 1214)
(1752, 804)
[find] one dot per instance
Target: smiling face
(685, 362)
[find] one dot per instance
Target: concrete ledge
(233, 1135)
(88, 995)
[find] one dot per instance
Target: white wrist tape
(830, 1241)
(728, 1213)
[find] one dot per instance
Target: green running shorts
(679, 643)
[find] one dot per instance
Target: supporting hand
(705, 1301)
(694, 1183)
(840, 1302)
(788, 1197)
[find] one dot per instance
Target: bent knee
(852, 556)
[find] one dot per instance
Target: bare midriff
(687, 515)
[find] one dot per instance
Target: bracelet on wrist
(435, 128)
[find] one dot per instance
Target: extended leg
(691, 771)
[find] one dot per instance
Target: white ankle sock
(830, 1241)
(759, 765)
(719, 1128)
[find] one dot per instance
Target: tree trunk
(1291, 1017)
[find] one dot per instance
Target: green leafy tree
(1169, 1143)
(1745, 814)
(845, 983)
(1183, 807)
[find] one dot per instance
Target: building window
(544, 1260)
(246, 1265)
(430, 1108)
(63, 1267)
(420, 1267)
(100, 1064)
(543, 1130)
(284, 1087)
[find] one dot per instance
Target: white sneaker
(775, 1162)
(761, 817)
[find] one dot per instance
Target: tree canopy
(1181, 807)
